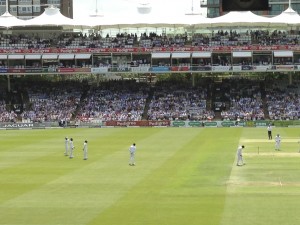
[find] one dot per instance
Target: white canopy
(89, 21)
(199, 21)
(53, 17)
(287, 17)
(50, 17)
(8, 20)
(144, 20)
(240, 18)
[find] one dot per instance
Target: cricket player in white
(85, 150)
(132, 150)
(240, 156)
(71, 148)
(66, 146)
(277, 142)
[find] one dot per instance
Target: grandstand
(73, 77)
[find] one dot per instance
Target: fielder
(71, 148)
(277, 142)
(85, 150)
(66, 146)
(240, 161)
(132, 150)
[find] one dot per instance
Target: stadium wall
(145, 123)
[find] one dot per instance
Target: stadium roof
(8, 20)
(53, 17)
(152, 20)
(287, 17)
(50, 17)
(242, 18)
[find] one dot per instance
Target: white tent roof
(240, 18)
(53, 17)
(88, 21)
(201, 21)
(142, 20)
(287, 17)
(151, 17)
(8, 20)
(50, 17)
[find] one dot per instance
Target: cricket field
(183, 176)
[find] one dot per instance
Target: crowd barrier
(146, 123)
(153, 69)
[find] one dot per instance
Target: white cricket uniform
(277, 142)
(85, 151)
(71, 149)
(132, 150)
(239, 156)
(66, 146)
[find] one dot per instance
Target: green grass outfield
(183, 176)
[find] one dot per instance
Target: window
(24, 9)
(276, 9)
(213, 12)
(213, 2)
(54, 2)
(296, 7)
(36, 9)
(13, 9)
(24, 2)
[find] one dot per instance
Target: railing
(154, 69)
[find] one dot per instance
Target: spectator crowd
(129, 100)
(148, 40)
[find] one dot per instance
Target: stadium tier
(223, 51)
(150, 78)
(170, 100)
